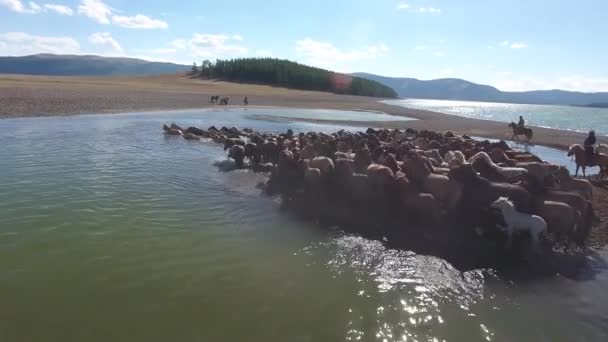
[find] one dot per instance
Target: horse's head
(462, 173)
(502, 203)
(574, 149)
(512, 125)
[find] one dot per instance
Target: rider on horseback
(589, 145)
(521, 122)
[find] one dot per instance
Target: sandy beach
(28, 96)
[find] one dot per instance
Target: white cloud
(402, 6)
(34, 8)
(326, 55)
(513, 45)
(19, 7)
(202, 46)
(420, 47)
(139, 21)
(104, 14)
(429, 10)
(13, 5)
(59, 9)
(96, 10)
(518, 45)
(216, 45)
(105, 38)
(20, 43)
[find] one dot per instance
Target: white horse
(517, 221)
(454, 159)
(507, 172)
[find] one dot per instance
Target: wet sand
(27, 96)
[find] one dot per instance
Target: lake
(112, 231)
(560, 117)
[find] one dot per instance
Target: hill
(73, 65)
(288, 74)
(458, 89)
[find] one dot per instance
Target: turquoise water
(112, 231)
(560, 117)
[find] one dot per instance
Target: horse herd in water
(432, 192)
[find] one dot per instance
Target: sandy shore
(27, 96)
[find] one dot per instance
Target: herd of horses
(431, 192)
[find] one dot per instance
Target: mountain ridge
(463, 90)
(85, 65)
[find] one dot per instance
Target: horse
(580, 157)
(517, 221)
(506, 172)
(519, 130)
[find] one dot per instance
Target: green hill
(284, 73)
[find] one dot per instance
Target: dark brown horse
(520, 130)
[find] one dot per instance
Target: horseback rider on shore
(521, 122)
(589, 145)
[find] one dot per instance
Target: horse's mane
(482, 155)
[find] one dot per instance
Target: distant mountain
(72, 65)
(458, 89)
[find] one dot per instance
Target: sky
(509, 44)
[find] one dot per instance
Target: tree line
(284, 73)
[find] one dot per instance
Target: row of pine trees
(289, 74)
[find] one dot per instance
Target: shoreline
(43, 96)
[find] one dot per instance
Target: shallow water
(321, 114)
(561, 117)
(110, 230)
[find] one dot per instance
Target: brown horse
(519, 130)
(580, 157)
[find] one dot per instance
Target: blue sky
(511, 44)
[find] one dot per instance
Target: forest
(284, 73)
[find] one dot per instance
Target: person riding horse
(521, 122)
(589, 145)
